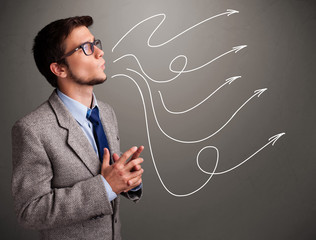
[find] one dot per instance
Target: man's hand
(123, 175)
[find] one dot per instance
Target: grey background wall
(271, 196)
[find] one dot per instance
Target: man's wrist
(110, 193)
(137, 188)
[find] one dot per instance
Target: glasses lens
(98, 44)
(88, 48)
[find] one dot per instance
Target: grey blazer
(56, 183)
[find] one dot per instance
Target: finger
(134, 163)
(106, 159)
(134, 182)
(136, 168)
(138, 152)
(115, 157)
(126, 155)
(134, 176)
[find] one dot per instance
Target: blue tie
(98, 132)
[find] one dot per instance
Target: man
(67, 173)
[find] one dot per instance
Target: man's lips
(103, 65)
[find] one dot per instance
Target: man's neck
(82, 94)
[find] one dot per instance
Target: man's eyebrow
(85, 42)
(88, 41)
(93, 39)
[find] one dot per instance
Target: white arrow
(179, 72)
(234, 49)
(228, 13)
(272, 140)
(227, 81)
(238, 48)
(256, 93)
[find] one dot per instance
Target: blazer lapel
(76, 137)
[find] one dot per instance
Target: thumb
(106, 158)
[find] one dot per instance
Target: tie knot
(94, 116)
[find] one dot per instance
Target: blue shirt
(79, 112)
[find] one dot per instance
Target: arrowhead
(231, 79)
(275, 138)
(238, 48)
(260, 91)
(231, 11)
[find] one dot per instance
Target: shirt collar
(77, 109)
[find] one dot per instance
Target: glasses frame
(92, 44)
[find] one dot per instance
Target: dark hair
(49, 45)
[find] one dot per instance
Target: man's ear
(58, 69)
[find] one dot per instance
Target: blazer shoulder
(107, 109)
(41, 116)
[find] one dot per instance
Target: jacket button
(115, 220)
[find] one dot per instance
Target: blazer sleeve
(37, 204)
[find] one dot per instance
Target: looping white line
(228, 13)
(179, 72)
(154, 80)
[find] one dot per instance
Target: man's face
(82, 69)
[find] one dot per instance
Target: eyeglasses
(87, 47)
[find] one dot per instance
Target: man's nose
(98, 52)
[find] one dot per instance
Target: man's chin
(96, 81)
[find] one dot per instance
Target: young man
(67, 173)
